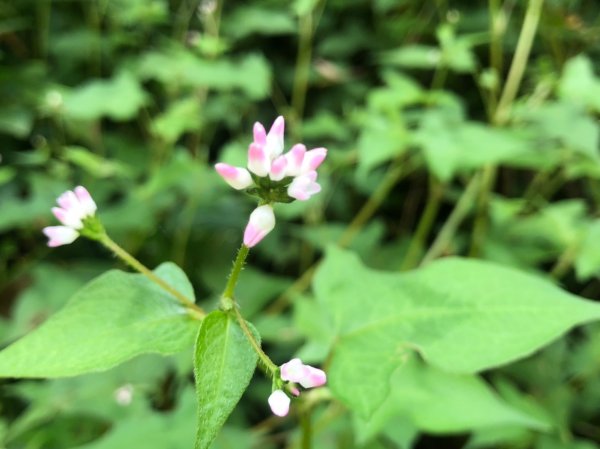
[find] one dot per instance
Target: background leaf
(463, 316)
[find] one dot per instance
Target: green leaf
(114, 318)
(587, 262)
(223, 366)
(439, 402)
(118, 98)
(461, 315)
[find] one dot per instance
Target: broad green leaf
(118, 98)
(439, 402)
(115, 317)
(462, 316)
(223, 366)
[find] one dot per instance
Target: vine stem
(195, 311)
(228, 303)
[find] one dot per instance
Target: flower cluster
(273, 176)
(76, 207)
(296, 372)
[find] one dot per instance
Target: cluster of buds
(294, 372)
(77, 214)
(273, 177)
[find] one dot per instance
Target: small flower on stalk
(293, 372)
(77, 214)
(262, 221)
(279, 403)
(306, 375)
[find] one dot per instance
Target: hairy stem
(195, 310)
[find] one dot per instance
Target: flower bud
(261, 222)
(236, 177)
(279, 403)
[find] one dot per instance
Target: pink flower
(304, 186)
(279, 403)
(262, 221)
(306, 375)
(60, 235)
(238, 178)
(75, 207)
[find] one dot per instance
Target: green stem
(264, 358)
(195, 310)
(235, 271)
(306, 424)
(519, 62)
(481, 217)
(449, 228)
(227, 299)
(424, 227)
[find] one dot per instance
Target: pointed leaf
(460, 315)
(115, 317)
(223, 366)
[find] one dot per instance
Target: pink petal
(313, 159)
(68, 217)
(274, 144)
(85, 199)
(236, 177)
(314, 378)
(293, 371)
(261, 222)
(67, 200)
(305, 186)
(279, 403)
(258, 161)
(295, 157)
(260, 135)
(60, 235)
(278, 168)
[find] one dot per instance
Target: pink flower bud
(278, 168)
(306, 375)
(304, 186)
(262, 221)
(85, 200)
(279, 403)
(60, 235)
(274, 145)
(295, 157)
(314, 378)
(259, 162)
(260, 135)
(236, 177)
(293, 371)
(313, 158)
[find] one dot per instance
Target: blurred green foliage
(429, 156)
